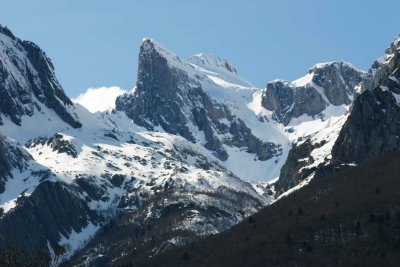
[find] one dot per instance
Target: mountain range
(191, 151)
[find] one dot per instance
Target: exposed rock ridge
(28, 82)
(169, 95)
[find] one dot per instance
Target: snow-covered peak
(335, 64)
(339, 67)
(217, 68)
(303, 81)
(210, 61)
(200, 66)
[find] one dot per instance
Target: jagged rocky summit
(371, 129)
(28, 83)
(191, 151)
(171, 94)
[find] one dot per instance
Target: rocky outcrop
(288, 102)
(295, 169)
(338, 80)
(373, 127)
(11, 157)
(57, 142)
(28, 82)
(52, 211)
(382, 67)
(170, 96)
(212, 62)
(157, 87)
(325, 84)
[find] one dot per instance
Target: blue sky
(96, 43)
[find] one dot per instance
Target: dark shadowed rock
(27, 82)
(295, 168)
(52, 210)
(373, 127)
(11, 157)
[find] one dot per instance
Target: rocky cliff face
(338, 80)
(11, 157)
(373, 127)
(51, 213)
(170, 95)
(28, 83)
(288, 102)
(296, 168)
(325, 84)
(212, 63)
(323, 96)
(382, 67)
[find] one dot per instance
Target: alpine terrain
(191, 151)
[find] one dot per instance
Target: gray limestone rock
(26, 79)
(11, 157)
(288, 102)
(371, 130)
(328, 84)
(295, 168)
(166, 97)
(338, 80)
